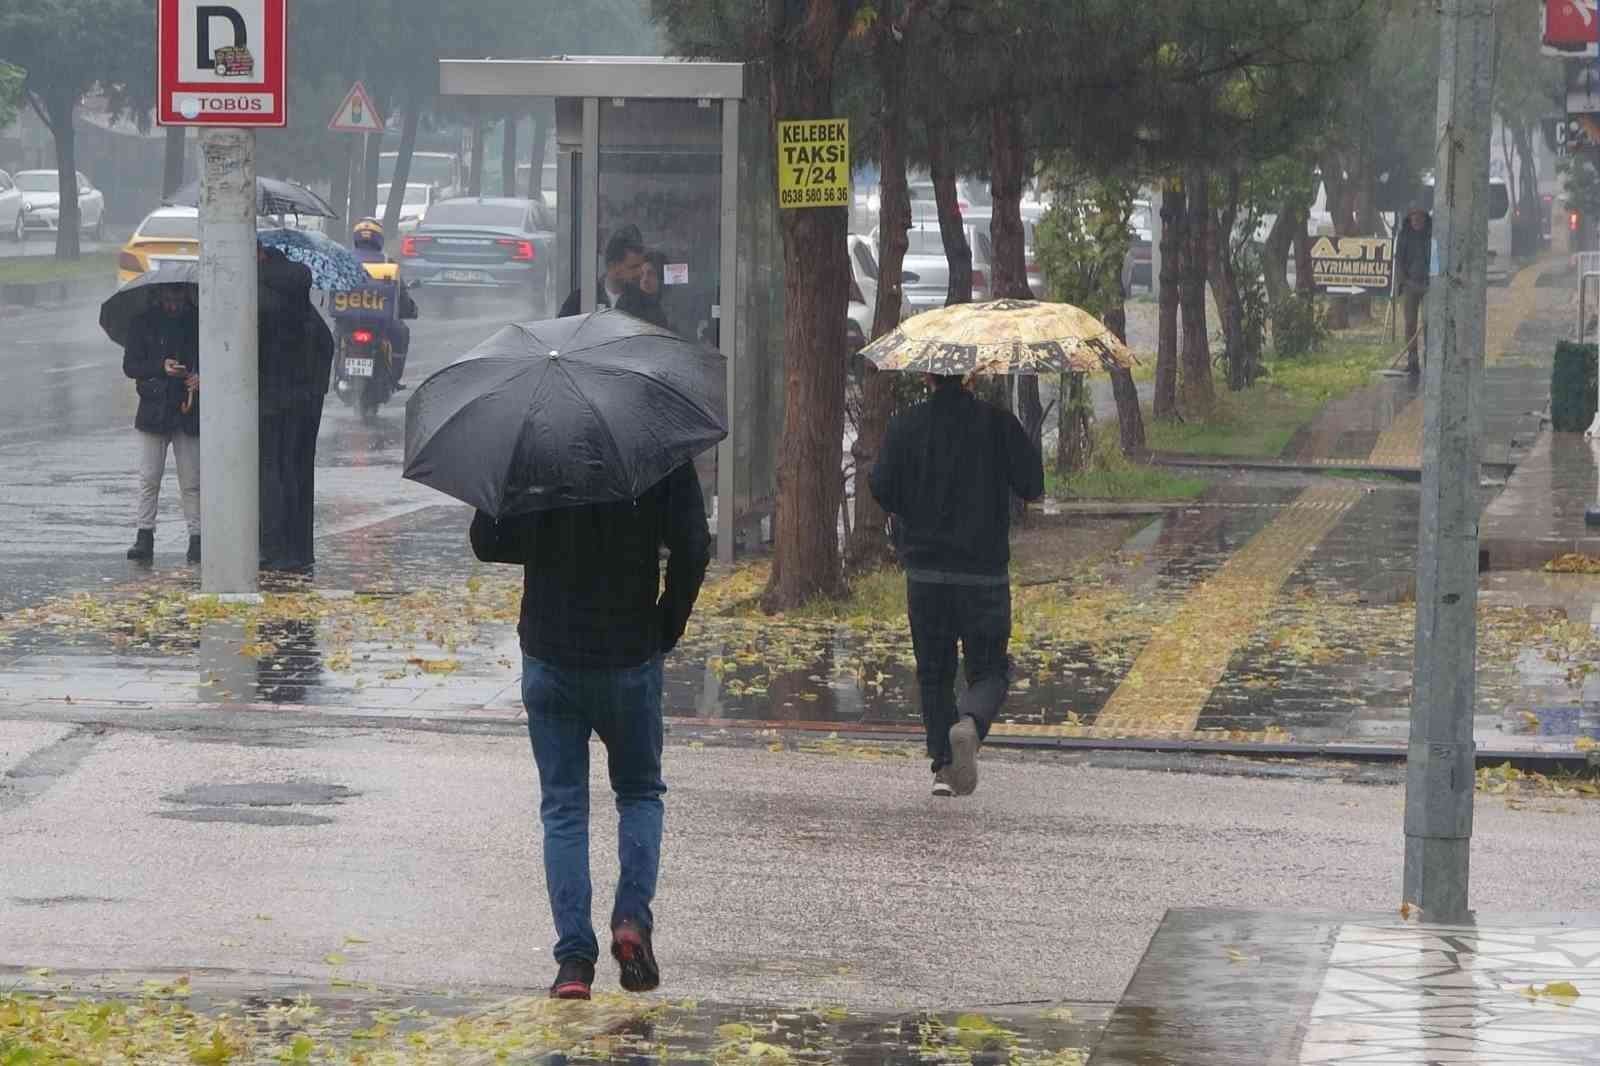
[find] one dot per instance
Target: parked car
(167, 234)
(442, 170)
(417, 198)
(10, 208)
(925, 272)
(41, 197)
(483, 243)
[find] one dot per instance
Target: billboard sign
(220, 64)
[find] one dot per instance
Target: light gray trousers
(153, 465)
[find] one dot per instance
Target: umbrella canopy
(273, 197)
(333, 266)
(589, 409)
(1001, 337)
(138, 294)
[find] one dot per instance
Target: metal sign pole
(230, 393)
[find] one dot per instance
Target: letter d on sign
(205, 55)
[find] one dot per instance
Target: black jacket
(573, 304)
(1413, 251)
(295, 356)
(948, 470)
(591, 587)
(153, 337)
(633, 301)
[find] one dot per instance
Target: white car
(10, 207)
(42, 202)
(418, 197)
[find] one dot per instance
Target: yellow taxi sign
(814, 163)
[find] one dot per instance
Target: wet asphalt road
(68, 459)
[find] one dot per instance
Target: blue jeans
(623, 707)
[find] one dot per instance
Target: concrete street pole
(229, 391)
(1440, 769)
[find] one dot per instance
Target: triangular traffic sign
(356, 114)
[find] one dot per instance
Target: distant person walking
(624, 262)
(162, 356)
(1413, 257)
(596, 622)
(948, 470)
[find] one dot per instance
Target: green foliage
(10, 93)
(69, 47)
(1299, 326)
(1572, 387)
(1581, 184)
(37, 268)
(1111, 475)
(1263, 419)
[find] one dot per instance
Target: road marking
(1169, 683)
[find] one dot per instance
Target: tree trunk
(1341, 202)
(1526, 224)
(1075, 425)
(508, 156)
(1130, 417)
(957, 252)
(1225, 286)
(869, 535)
(805, 561)
(57, 112)
(1174, 212)
(475, 182)
(1008, 169)
(1275, 259)
(402, 167)
(536, 150)
(172, 160)
(1300, 239)
(1196, 394)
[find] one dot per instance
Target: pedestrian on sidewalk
(1413, 256)
(596, 623)
(624, 263)
(162, 356)
(948, 470)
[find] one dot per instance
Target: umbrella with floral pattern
(1001, 337)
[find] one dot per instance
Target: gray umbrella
(127, 303)
(273, 197)
(589, 409)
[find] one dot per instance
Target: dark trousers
(288, 485)
(979, 617)
(1415, 293)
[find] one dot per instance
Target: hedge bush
(1572, 387)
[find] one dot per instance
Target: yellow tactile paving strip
(1171, 680)
(1401, 444)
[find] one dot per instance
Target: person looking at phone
(162, 357)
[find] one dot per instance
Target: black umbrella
(127, 303)
(589, 409)
(273, 197)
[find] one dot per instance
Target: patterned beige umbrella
(1001, 337)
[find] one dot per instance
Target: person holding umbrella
(947, 472)
(162, 355)
(573, 439)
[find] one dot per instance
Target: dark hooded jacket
(296, 348)
(1413, 251)
(153, 336)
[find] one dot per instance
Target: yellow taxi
(166, 234)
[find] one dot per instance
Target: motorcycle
(372, 339)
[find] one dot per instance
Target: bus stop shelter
(664, 145)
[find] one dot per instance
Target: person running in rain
(624, 261)
(596, 622)
(162, 356)
(948, 470)
(1413, 256)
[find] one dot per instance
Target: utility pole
(230, 502)
(1440, 759)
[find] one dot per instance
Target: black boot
(144, 546)
(194, 547)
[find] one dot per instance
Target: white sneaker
(941, 782)
(963, 768)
